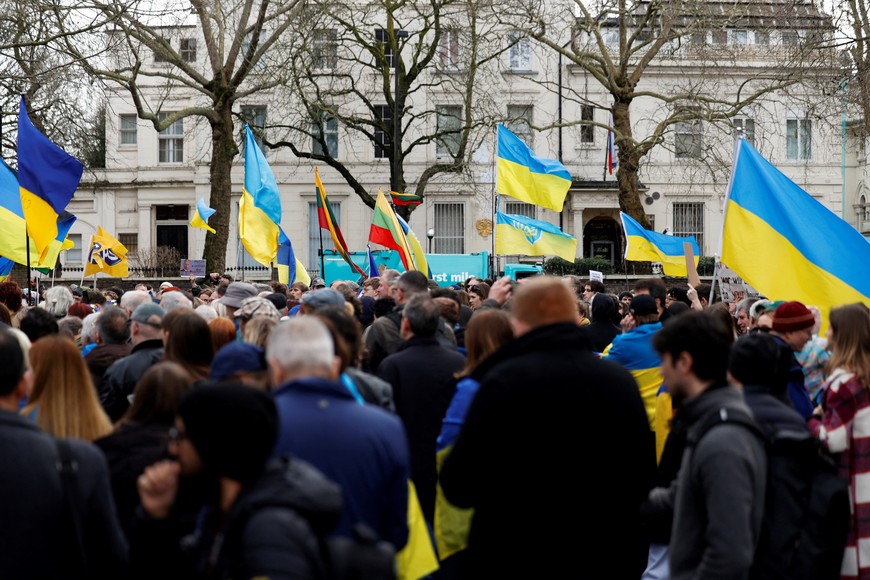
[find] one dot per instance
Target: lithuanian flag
(387, 232)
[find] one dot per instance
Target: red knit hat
(792, 316)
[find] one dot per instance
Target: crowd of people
(547, 428)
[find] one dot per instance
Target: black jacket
(421, 373)
(601, 331)
(102, 357)
(273, 530)
(120, 379)
(35, 539)
(129, 450)
(555, 457)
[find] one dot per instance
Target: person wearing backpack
(718, 498)
(842, 424)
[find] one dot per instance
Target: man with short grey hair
(421, 373)
(175, 299)
(120, 379)
(361, 447)
(130, 300)
(112, 335)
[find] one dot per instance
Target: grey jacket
(718, 497)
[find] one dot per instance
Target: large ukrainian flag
(644, 245)
(516, 234)
(787, 245)
(48, 177)
(13, 231)
(260, 206)
(527, 177)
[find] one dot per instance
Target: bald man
(555, 454)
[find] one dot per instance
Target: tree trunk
(629, 163)
(223, 151)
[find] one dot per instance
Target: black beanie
(755, 361)
(232, 427)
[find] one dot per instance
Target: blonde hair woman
(63, 401)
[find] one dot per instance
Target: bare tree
(400, 75)
(712, 77)
(153, 60)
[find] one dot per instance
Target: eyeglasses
(176, 435)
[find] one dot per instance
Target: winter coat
(35, 535)
(601, 331)
(102, 357)
(556, 457)
(272, 530)
(120, 379)
(421, 373)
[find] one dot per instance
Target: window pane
(762, 37)
(587, 132)
(131, 242)
(329, 126)
(520, 208)
(255, 116)
(519, 122)
(449, 228)
(128, 129)
(689, 221)
(382, 36)
(448, 50)
(791, 139)
(382, 139)
(740, 37)
(449, 122)
(325, 50)
(188, 49)
(74, 254)
(688, 139)
(806, 139)
(519, 55)
(171, 141)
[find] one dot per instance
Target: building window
(448, 50)
(255, 116)
(74, 254)
(171, 141)
(799, 139)
(688, 138)
(449, 228)
(382, 139)
(748, 127)
(188, 49)
(860, 213)
(699, 38)
(131, 242)
(324, 129)
(315, 235)
(325, 49)
(519, 122)
(762, 37)
(587, 130)
(172, 227)
(384, 38)
(519, 52)
(689, 221)
(246, 46)
(520, 208)
(740, 37)
(652, 221)
(449, 130)
(790, 37)
(720, 37)
(128, 129)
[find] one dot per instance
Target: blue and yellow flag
(421, 264)
(646, 246)
(48, 177)
(787, 245)
(516, 234)
(290, 269)
(201, 215)
(527, 177)
(260, 206)
(5, 268)
(13, 231)
(107, 255)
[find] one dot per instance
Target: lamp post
(430, 233)
(396, 108)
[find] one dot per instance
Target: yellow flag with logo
(107, 255)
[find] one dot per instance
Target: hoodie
(601, 331)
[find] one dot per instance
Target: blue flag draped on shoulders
(644, 245)
(527, 177)
(48, 177)
(786, 244)
(516, 234)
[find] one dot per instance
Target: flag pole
(322, 267)
(492, 260)
(27, 245)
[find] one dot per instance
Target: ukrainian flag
(516, 234)
(260, 206)
(643, 245)
(420, 262)
(200, 217)
(290, 269)
(787, 245)
(48, 177)
(5, 268)
(527, 177)
(13, 231)
(634, 351)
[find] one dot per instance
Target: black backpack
(806, 509)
